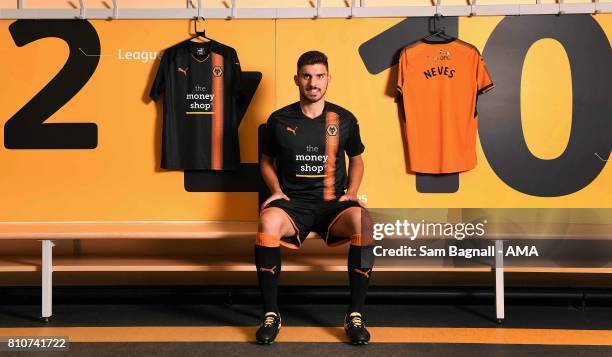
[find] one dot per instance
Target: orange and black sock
(360, 263)
(268, 263)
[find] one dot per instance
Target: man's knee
(354, 215)
(271, 221)
(359, 220)
(273, 224)
(353, 223)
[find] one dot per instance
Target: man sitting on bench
(303, 165)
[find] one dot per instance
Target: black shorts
(308, 216)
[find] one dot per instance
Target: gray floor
(414, 315)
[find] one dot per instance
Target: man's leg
(360, 262)
(273, 224)
(359, 257)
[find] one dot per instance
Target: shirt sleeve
(354, 146)
(270, 144)
(400, 71)
(159, 84)
(483, 78)
(236, 74)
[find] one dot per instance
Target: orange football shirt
(439, 83)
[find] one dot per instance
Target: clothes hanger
(200, 36)
(437, 32)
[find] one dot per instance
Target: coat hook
(233, 11)
(82, 11)
(472, 12)
(115, 10)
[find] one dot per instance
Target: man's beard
(304, 96)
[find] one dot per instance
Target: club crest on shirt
(332, 130)
(217, 71)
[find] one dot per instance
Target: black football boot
(269, 328)
(356, 329)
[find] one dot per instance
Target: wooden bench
(47, 233)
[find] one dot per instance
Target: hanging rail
(318, 11)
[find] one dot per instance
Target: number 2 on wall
(26, 129)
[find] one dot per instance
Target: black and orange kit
(201, 84)
(311, 166)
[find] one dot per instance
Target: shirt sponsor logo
(440, 55)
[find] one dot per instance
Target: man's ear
(295, 79)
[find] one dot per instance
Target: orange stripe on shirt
(217, 117)
(331, 150)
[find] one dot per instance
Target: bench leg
(47, 275)
(499, 280)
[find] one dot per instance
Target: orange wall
(120, 179)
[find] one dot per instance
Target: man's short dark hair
(311, 57)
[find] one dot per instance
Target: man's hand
(351, 197)
(274, 196)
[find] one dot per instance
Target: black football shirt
(310, 153)
(200, 83)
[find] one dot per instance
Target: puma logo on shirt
(183, 70)
(292, 130)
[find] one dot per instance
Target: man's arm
(355, 174)
(268, 172)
